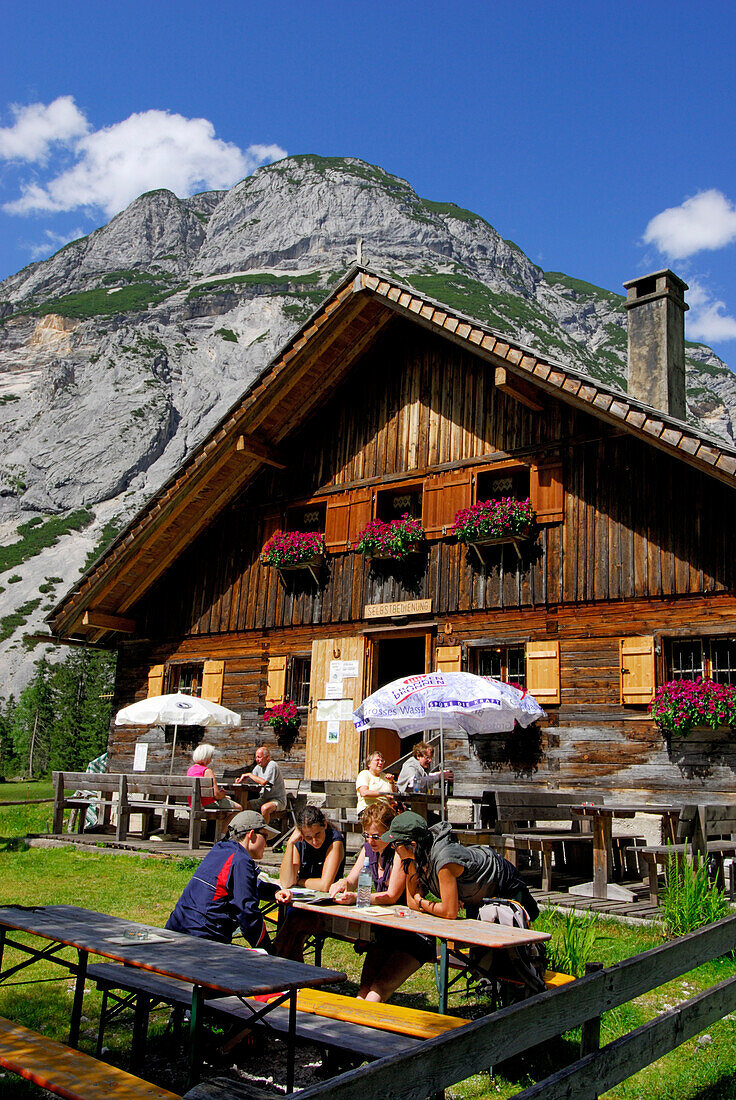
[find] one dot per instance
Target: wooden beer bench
(67, 1072)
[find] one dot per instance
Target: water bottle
(365, 883)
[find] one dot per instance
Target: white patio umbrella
(176, 710)
(447, 701)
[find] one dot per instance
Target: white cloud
(706, 319)
(53, 242)
(146, 151)
(704, 221)
(37, 126)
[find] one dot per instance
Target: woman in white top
(372, 784)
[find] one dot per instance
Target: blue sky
(599, 138)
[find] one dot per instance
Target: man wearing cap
(222, 894)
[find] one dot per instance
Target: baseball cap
(405, 828)
(246, 820)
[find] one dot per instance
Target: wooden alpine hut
(384, 404)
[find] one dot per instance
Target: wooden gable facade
(391, 403)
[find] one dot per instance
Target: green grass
(284, 283)
(16, 619)
(227, 334)
(588, 290)
(450, 210)
(35, 536)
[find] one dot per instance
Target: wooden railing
(442, 1062)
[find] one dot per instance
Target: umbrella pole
(443, 803)
(173, 750)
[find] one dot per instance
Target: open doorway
(394, 658)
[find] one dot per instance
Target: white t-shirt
(376, 786)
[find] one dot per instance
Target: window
(306, 517)
(301, 671)
(185, 678)
(711, 658)
(494, 484)
(507, 663)
(398, 501)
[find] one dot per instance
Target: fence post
(590, 1038)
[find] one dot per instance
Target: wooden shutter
(345, 518)
(546, 492)
(543, 671)
(276, 683)
(337, 522)
(636, 661)
(361, 513)
(155, 680)
(212, 677)
(443, 495)
(448, 658)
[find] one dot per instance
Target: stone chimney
(656, 315)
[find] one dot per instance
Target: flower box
(291, 551)
(682, 707)
(391, 540)
(494, 523)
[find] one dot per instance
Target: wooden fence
(441, 1062)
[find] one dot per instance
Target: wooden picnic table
(349, 922)
(242, 792)
(602, 820)
(214, 969)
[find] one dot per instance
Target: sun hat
(246, 820)
(405, 828)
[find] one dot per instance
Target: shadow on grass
(725, 1089)
(13, 844)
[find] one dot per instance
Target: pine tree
(32, 723)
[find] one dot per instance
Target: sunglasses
(372, 836)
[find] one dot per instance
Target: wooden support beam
(101, 620)
(519, 389)
(258, 448)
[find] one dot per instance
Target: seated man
(223, 891)
(267, 775)
(415, 774)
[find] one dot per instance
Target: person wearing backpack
(470, 877)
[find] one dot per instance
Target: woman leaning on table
(393, 955)
(461, 876)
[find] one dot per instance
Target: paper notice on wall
(328, 710)
(140, 757)
(333, 733)
(334, 710)
(333, 689)
(342, 670)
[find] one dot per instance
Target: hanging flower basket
(285, 721)
(494, 522)
(681, 706)
(293, 550)
(392, 540)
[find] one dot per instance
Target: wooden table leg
(602, 832)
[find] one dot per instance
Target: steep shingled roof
(301, 375)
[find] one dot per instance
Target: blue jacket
(221, 894)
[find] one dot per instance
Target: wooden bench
(517, 828)
(707, 829)
(144, 991)
(101, 787)
(68, 1072)
(151, 796)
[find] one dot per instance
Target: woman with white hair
(201, 759)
